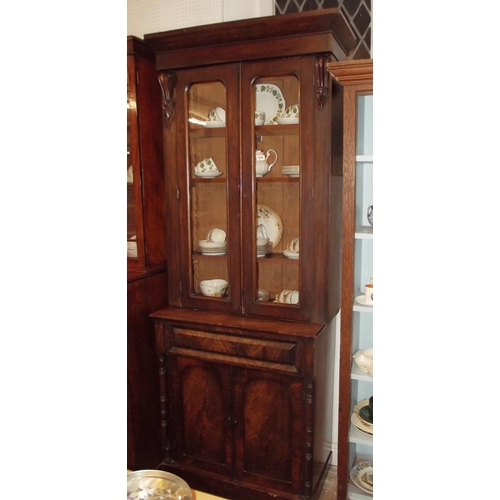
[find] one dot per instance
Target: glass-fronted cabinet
(252, 131)
(356, 420)
(146, 235)
(256, 201)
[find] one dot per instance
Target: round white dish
(268, 98)
(290, 255)
(208, 175)
(362, 476)
(272, 223)
(287, 121)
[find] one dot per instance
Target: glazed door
(269, 429)
(277, 175)
(203, 158)
(136, 258)
(199, 402)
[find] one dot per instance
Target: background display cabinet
(146, 253)
(252, 128)
(355, 435)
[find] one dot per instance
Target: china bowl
(157, 484)
(369, 214)
(213, 288)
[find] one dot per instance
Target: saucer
(290, 255)
(288, 121)
(360, 299)
(214, 124)
(208, 175)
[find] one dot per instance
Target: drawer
(243, 347)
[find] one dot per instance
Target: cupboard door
(277, 175)
(201, 433)
(269, 422)
(203, 170)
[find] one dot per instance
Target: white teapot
(261, 165)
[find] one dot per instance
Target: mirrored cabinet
(252, 130)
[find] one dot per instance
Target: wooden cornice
(352, 72)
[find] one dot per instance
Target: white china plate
(360, 299)
(288, 121)
(208, 175)
(359, 475)
(268, 98)
(290, 255)
(213, 124)
(272, 223)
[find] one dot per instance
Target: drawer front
(242, 347)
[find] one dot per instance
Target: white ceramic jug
(261, 165)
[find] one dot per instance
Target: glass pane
(208, 189)
(131, 219)
(277, 188)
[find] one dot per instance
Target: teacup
(293, 246)
(292, 111)
(217, 114)
(364, 359)
(216, 235)
(260, 117)
(288, 297)
(206, 165)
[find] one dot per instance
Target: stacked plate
(359, 421)
(362, 475)
(264, 248)
(211, 247)
(290, 170)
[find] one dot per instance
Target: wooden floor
(330, 488)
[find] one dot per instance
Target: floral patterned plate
(271, 222)
(268, 98)
(362, 476)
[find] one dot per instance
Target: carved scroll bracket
(167, 84)
(323, 80)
